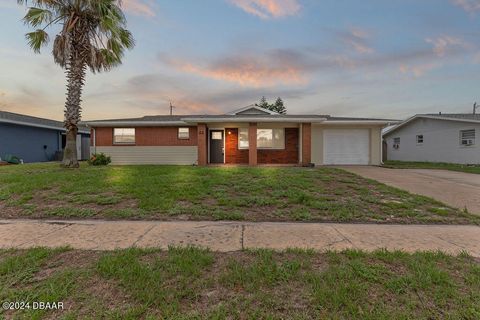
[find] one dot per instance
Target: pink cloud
(139, 7)
(246, 71)
(468, 5)
(443, 44)
(419, 69)
(266, 9)
(358, 41)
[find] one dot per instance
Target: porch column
(252, 144)
(306, 143)
(202, 144)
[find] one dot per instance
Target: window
(396, 143)
(124, 135)
(270, 139)
(467, 137)
(217, 135)
(420, 139)
(183, 133)
(266, 138)
(243, 138)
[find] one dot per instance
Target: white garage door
(346, 146)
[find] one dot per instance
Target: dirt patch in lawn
(71, 259)
(52, 203)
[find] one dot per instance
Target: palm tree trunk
(76, 78)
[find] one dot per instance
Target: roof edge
(408, 120)
(44, 126)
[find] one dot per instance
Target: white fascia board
(359, 122)
(119, 124)
(253, 119)
(28, 124)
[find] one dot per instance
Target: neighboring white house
(448, 138)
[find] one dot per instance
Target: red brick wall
(202, 144)
(149, 136)
(103, 136)
(289, 155)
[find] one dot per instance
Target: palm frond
(126, 39)
(37, 16)
(37, 39)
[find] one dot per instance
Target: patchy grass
(212, 193)
(192, 283)
(433, 165)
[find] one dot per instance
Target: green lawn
(433, 165)
(193, 283)
(212, 193)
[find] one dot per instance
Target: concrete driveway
(457, 189)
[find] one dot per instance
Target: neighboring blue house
(35, 139)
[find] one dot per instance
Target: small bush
(99, 159)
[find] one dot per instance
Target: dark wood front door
(216, 146)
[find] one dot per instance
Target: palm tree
(92, 35)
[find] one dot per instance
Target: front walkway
(232, 236)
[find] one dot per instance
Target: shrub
(99, 159)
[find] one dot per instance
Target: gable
(252, 111)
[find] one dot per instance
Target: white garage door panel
(346, 146)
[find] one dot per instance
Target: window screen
(124, 135)
(183, 133)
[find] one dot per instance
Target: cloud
(148, 94)
(443, 44)
(469, 6)
(419, 69)
(266, 9)
(357, 39)
(476, 58)
(248, 71)
(33, 101)
(139, 7)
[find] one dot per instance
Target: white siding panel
(346, 146)
(441, 142)
(176, 155)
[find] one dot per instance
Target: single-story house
(435, 138)
(35, 139)
(250, 135)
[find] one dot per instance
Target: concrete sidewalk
(231, 236)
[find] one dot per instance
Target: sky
(370, 58)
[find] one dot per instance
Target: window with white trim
(243, 138)
(123, 135)
(183, 133)
(467, 137)
(396, 143)
(266, 138)
(420, 139)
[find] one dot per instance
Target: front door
(216, 146)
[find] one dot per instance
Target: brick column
(306, 143)
(252, 144)
(202, 144)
